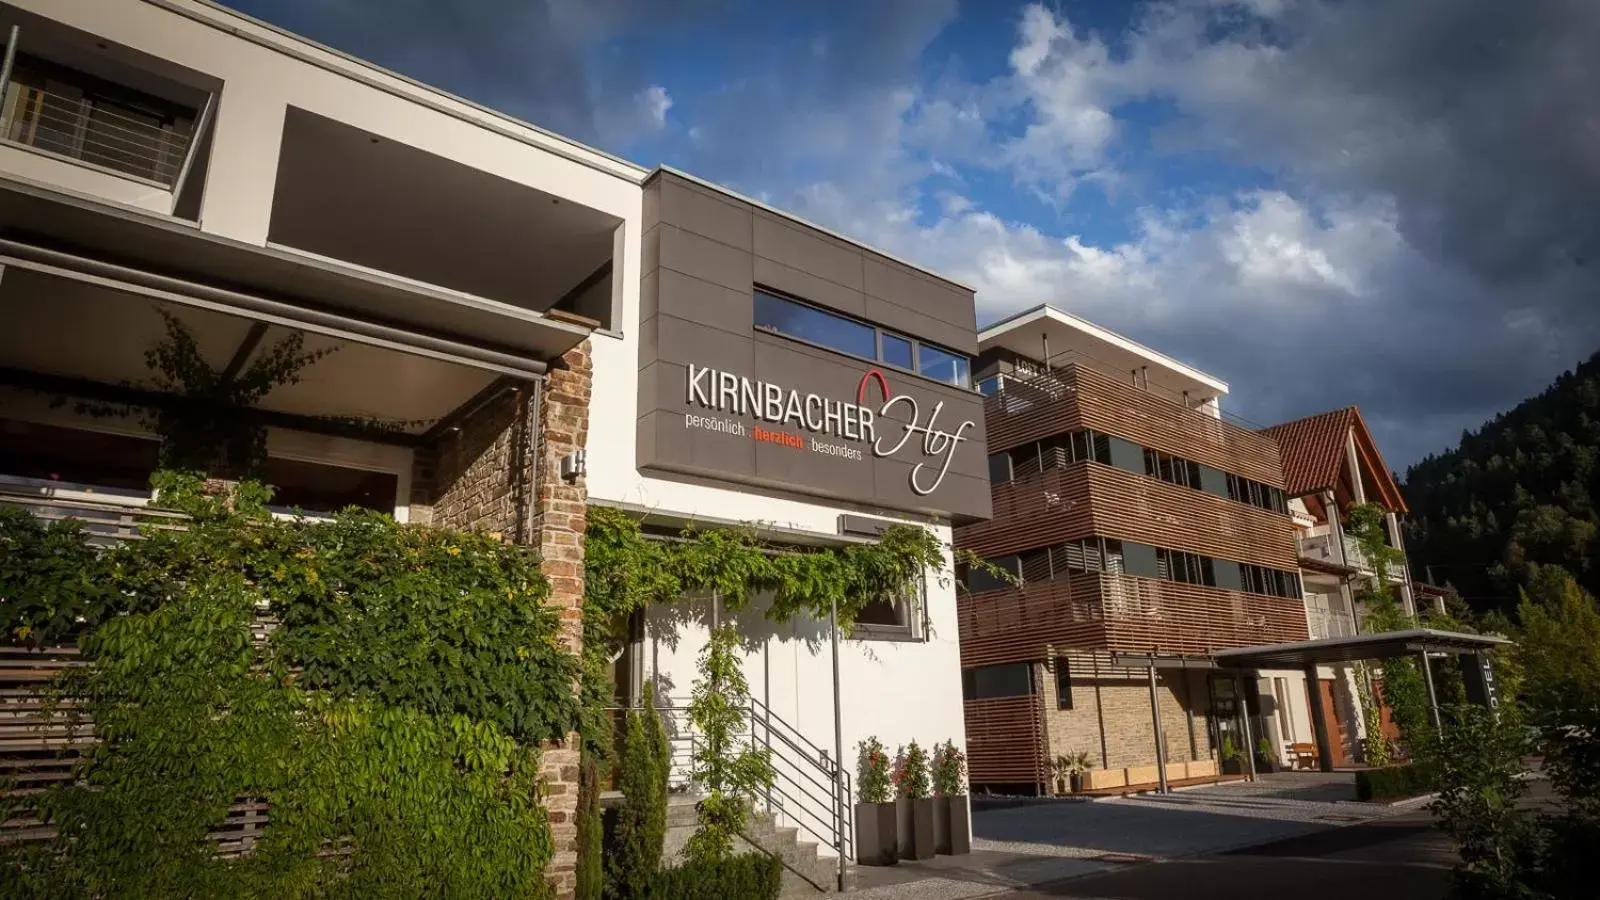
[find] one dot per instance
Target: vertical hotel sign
(856, 424)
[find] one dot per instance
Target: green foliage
(1523, 489)
(729, 773)
(1230, 750)
(49, 588)
(1476, 763)
(911, 772)
(1375, 744)
(590, 874)
(1394, 782)
(641, 828)
(1403, 687)
(751, 876)
(949, 770)
(627, 571)
(873, 782)
(392, 715)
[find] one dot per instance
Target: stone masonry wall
(1124, 704)
(500, 471)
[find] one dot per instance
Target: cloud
(1322, 201)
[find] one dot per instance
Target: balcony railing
(95, 133)
(1323, 548)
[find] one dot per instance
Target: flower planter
(1077, 782)
(952, 825)
(916, 828)
(876, 840)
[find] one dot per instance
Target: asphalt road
(1401, 857)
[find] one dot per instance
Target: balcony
(1022, 409)
(1326, 617)
(97, 133)
(1119, 612)
(1321, 547)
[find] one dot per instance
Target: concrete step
(805, 873)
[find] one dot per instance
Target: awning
(1384, 645)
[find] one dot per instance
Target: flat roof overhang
(1384, 645)
(49, 229)
(1076, 340)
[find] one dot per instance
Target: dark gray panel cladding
(706, 252)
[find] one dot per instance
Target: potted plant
(1078, 765)
(952, 813)
(876, 840)
(915, 803)
(1266, 760)
(1231, 757)
(1061, 773)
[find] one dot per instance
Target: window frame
(878, 333)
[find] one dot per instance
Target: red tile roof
(1313, 453)
(1312, 450)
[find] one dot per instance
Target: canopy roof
(1384, 645)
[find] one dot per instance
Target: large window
(1096, 555)
(811, 324)
(993, 682)
(846, 335)
(1063, 684)
(942, 365)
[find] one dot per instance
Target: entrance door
(1226, 727)
(1333, 721)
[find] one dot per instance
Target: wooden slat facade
(1005, 737)
(1085, 499)
(40, 747)
(1073, 398)
(1118, 612)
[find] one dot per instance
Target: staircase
(805, 874)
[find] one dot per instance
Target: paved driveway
(1038, 841)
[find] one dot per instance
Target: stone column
(556, 521)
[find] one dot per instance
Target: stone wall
(499, 471)
(1121, 699)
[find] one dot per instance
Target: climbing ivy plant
(1403, 687)
(729, 770)
(393, 715)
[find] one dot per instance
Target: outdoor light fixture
(574, 465)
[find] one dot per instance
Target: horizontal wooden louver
(1004, 741)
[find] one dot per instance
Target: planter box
(1177, 771)
(1095, 779)
(1143, 775)
(876, 840)
(1203, 768)
(916, 828)
(952, 825)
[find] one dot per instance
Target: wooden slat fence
(1005, 741)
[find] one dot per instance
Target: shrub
(751, 876)
(1392, 782)
(911, 772)
(641, 828)
(949, 770)
(730, 773)
(872, 772)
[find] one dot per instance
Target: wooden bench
(1304, 756)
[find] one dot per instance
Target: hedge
(751, 876)
(1393, 782)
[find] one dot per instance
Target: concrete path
(1041, 841)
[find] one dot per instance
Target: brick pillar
(556, 521)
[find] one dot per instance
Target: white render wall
(264, 72)
(896, 691)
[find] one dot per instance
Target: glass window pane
(999, 468)
(811, 324)
(1129, 456)
(942, 365)
(896, 350)
(989, 386)
(1063, 684)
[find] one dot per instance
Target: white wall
(264, 72)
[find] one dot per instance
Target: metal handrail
(94, 133)
(813, 790)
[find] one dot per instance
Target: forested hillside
(1522, 489)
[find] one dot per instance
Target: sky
(1387, 203)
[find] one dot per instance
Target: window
(991, 682)
(896, 350)
(319, 488)
(1213, 481)
(981, 579)
(1025, 461)
(989, 386)
(1063, 684)
(846, 335)
(1188, 568)
(942, 365)
(901, 619)
(1140, 559)
(811, 324)
(1272, 582)
(999, 467)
